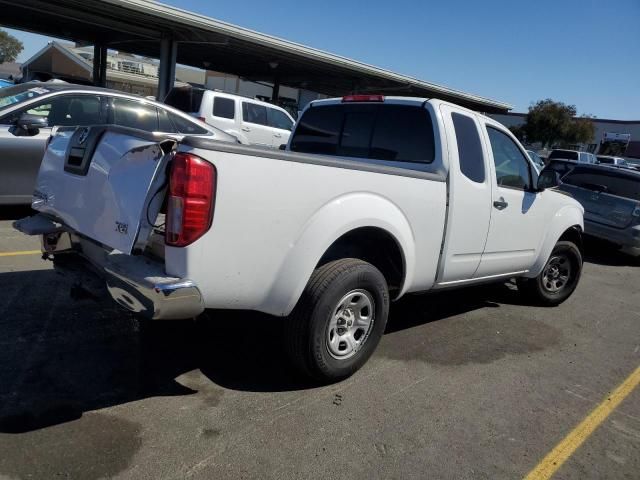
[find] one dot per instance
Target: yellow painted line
(554, 460)
(24, 252)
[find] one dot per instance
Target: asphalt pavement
(469, 384)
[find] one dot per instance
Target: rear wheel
(559, 277)
(339, 320)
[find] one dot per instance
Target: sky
(581, 52)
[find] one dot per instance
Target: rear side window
(469, 147)
(618, 185)
(185, 99)
(188, 127)
(402, 133)
(164, 123)
(135, 114)
(224, 107)
(254, 113)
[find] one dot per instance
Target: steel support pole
(99, 65)
(276, 90)
(167, 70)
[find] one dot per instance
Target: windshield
(20, 93)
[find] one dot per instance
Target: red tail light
(192, 192)
(363, 98)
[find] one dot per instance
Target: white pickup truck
(374, 198)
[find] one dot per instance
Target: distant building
(139, 75)
(10, 71)
(602, 126)
(125, 72)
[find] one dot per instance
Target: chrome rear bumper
(136, 282)
(142, 291)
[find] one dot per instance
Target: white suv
(250, 121)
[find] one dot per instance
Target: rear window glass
(224, 107)
(469, 147)
(565, 154)
(185, 99)
(402, 133)
(619, 185)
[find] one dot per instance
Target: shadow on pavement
(14, 212)
(60, 358)
(601, 252)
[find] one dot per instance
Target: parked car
(252, 121)
(560, 166)
(536, 159)
(375, 198)
(611, 200)
(572, 155)
(29, 111)
(615, 161)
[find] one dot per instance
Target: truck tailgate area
(106, 183)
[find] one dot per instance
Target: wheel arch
(567, 224)
(351, 226)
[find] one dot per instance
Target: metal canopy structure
(171, 34)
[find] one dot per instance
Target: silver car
(28, 112)
(611, 200)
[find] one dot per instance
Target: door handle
(500, 204)
(277, 135)
(246, 129)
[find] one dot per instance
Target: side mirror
(29, 124)
(282, 147)
(548, 178)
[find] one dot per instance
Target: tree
(10, 47)
(582, 130)
(550, 122)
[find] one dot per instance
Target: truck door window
(512, 167)
(224, 107)
(469, 147)
(253, 113)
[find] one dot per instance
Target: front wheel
(559, 277)
(339, 320)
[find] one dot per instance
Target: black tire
(544, 289)
(308, 326)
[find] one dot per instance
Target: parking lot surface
(466, 384)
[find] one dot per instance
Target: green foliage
(552, 123)
(10, 47)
